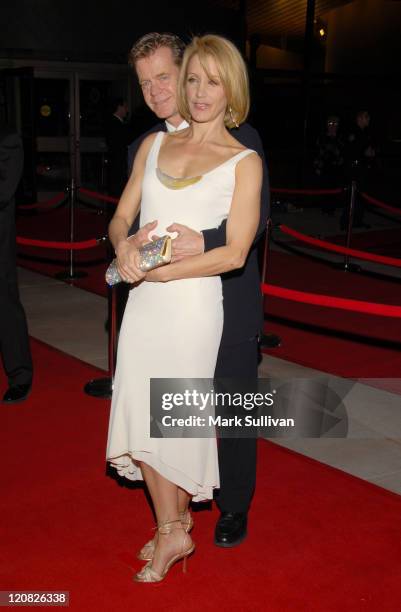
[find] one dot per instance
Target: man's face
(363, 120)
(332, 126)
(158, 78)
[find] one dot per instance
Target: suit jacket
(243, 305)
(14, 342)
(11, 165)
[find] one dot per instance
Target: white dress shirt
(171, 128)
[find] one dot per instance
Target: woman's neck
(215, 130)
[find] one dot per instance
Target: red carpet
(343, 343)
(319, 540)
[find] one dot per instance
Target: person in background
(118, 137)
(14, 341)
(329, 162)
(361, 157)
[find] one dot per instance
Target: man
(14, 341)
(117, 139)
(156, 58)
(361, 160)
(329, 162)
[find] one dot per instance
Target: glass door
(61, 112)
(95, 96)
(54, 120)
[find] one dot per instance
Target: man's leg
(237, 456)
(14, 340)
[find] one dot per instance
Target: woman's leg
(183, 503)
(165, 500)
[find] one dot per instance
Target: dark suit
(14, 341)
(243, 320)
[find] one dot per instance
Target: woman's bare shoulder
(149, 140)
(145, 147)
(250, 165)
(235, 145)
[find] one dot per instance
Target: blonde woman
(174, 317)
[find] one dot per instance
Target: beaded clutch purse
(153, 254)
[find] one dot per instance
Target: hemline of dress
(126, 467)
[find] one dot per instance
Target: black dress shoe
(270, 341)
(231, 529)
(16, 393)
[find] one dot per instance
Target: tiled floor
(73, 320)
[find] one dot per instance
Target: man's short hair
(232, 71)
(149, 43)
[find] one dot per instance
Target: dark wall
(89, 30)
(364, 38)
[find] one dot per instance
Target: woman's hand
(142, 235)
(128, 260)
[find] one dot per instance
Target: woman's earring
(234, 121)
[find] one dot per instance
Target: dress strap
(241, 155)
(153, 154)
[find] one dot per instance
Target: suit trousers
(237, 456)
(14, 340)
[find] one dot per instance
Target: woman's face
(205, 94)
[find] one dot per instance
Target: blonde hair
(232, 72)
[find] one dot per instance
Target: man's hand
(142, 235)
(187, 243)
(155, 275)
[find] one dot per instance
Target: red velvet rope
(328, 246)
(48, 244)
(329, 301)
(307, 191)
(371, 200)
(99, 196)
(59, 197)
(106, 198)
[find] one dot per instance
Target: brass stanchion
(268, 340)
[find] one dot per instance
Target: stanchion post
(73, 197)
(112, 334)
(266, 250)
(268, 340)
(71, 274)
(348, 267)
(350, 221)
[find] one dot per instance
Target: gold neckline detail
(176, 183)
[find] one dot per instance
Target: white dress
(170, 330)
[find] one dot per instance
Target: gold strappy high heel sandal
(147, 551)
(148, 574)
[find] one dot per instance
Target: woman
(173, 319)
